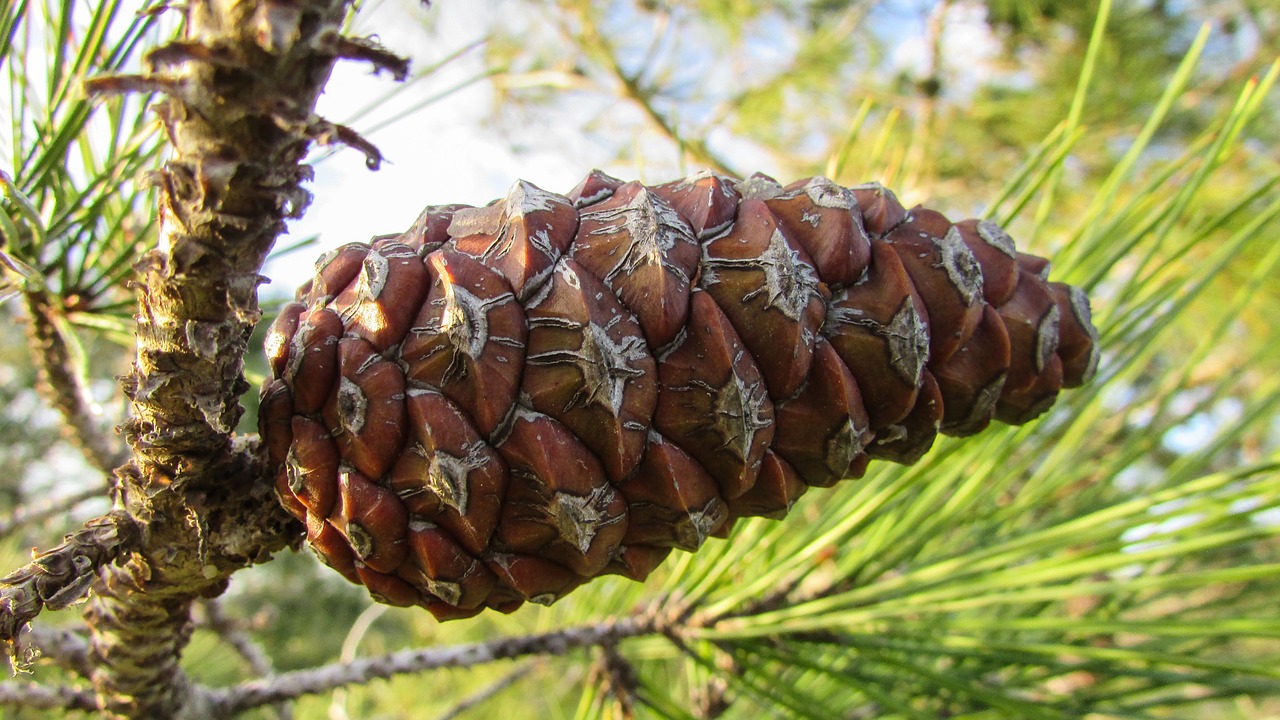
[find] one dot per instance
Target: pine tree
(1105, 559)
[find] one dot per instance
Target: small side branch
(64, 646)
(177, 52)
(618, 679)
(323, 679)
(64, 388)
(61, 576)
(127, 84)
(44, 697)
(630, 88)
(37, 512)
(227, 628)
(321, 131)
(367, 50)
(711, 699)
(489, 691)
(325, 132)
(233, 633)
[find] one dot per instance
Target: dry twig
(488, 692)
(64, 388)
(37, 512)
(630, 88)
(64, 646)
(46, 697)
(328, 677)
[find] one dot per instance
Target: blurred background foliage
(1118, 558)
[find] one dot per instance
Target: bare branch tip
(290, 685)
(65, 646)
(328, 133)
(160, 8)
(370, 51)
(105, 85)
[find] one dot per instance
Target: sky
(441, 154)
(449, 152)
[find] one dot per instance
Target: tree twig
(368, 50)
(60, 577)
(64, 646)
(127, 84)
(64, 388)
(232, 632)
(36, 512)
(489, 691)
(711, 698)
(618, 679)
(928, 90)
(328, 677)
(633, 90)
(46, 697)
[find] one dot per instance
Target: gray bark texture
(240, 90)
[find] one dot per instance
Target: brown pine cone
(503, 402)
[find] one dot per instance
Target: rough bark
(240, 91)
(59, 577)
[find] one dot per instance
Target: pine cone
(504, 402)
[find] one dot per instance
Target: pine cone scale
(587, 365)
(944, 272)
(880, 329)
(707, 202)
(469, 339)
(645, 253)
(768, 288)
(312, 364)
(713, 401)
(449, 475)
(559, 503)
(832, 401)
(521, 238)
